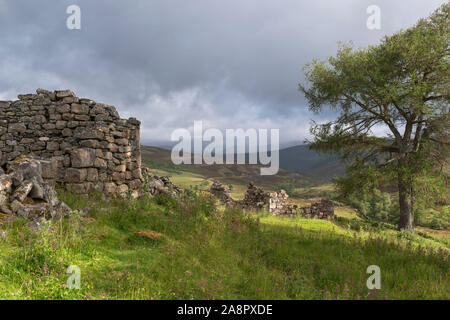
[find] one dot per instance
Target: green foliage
(161, 165)
(375, 205)
(400, 84)
(289, 187)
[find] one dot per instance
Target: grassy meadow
(156, 248)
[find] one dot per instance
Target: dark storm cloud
(229, 63)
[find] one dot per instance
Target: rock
(3, 235)
(37, 191)
(52, 146)
(88, 133)
(4, 209)
(80, 108)
(155, 185)
(122, 142)
(122, 188)
(83, 158)
(64, 93)
(92, 174)
(110, 187)
(50, 195)
(49, 168)
(75, 175)
(90, 144)
(26, 168)
(15, 206)
(17, 128)
(6, 183)
(22, 191)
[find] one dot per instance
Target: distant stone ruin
(89, 146)
(255, 198)
(278, 205)
(324, 209)
(274, 202)
(222, 193)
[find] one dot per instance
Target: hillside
(311, 163)
(236, 175)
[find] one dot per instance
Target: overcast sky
(230, 63)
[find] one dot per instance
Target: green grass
(207, 253)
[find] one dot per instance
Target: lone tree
(400, 87)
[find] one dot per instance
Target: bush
(375, 205)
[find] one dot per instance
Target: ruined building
(89, 146)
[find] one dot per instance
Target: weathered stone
(90, 144)
(37, 191)
(122, 142)
(83, 158)
(120, 168)
(17, 128)
(64, 109)
(22, 191)
(52, 145)
(5, 209)
(100, 163)
(110, 187)
(6, 183)
(26, 168)
(49, 126)
(92, 174)
(16, 205)
(66, 132)
(61, 124)
(82, 117)
(64, 93)
(79, 108)
(122, 188)
(70, 100)
(49, 168)
(75, 175)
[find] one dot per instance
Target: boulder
(23, 191)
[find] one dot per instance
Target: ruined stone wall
(324, 209)
(94, 148)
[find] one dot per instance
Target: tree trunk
(405, 198)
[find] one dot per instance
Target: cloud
(229, 63)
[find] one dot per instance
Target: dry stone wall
(324, 209)
(89, 145)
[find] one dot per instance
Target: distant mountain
(297, 159)
(158, 158)
(311, 163)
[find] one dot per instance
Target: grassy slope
(208, 254)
